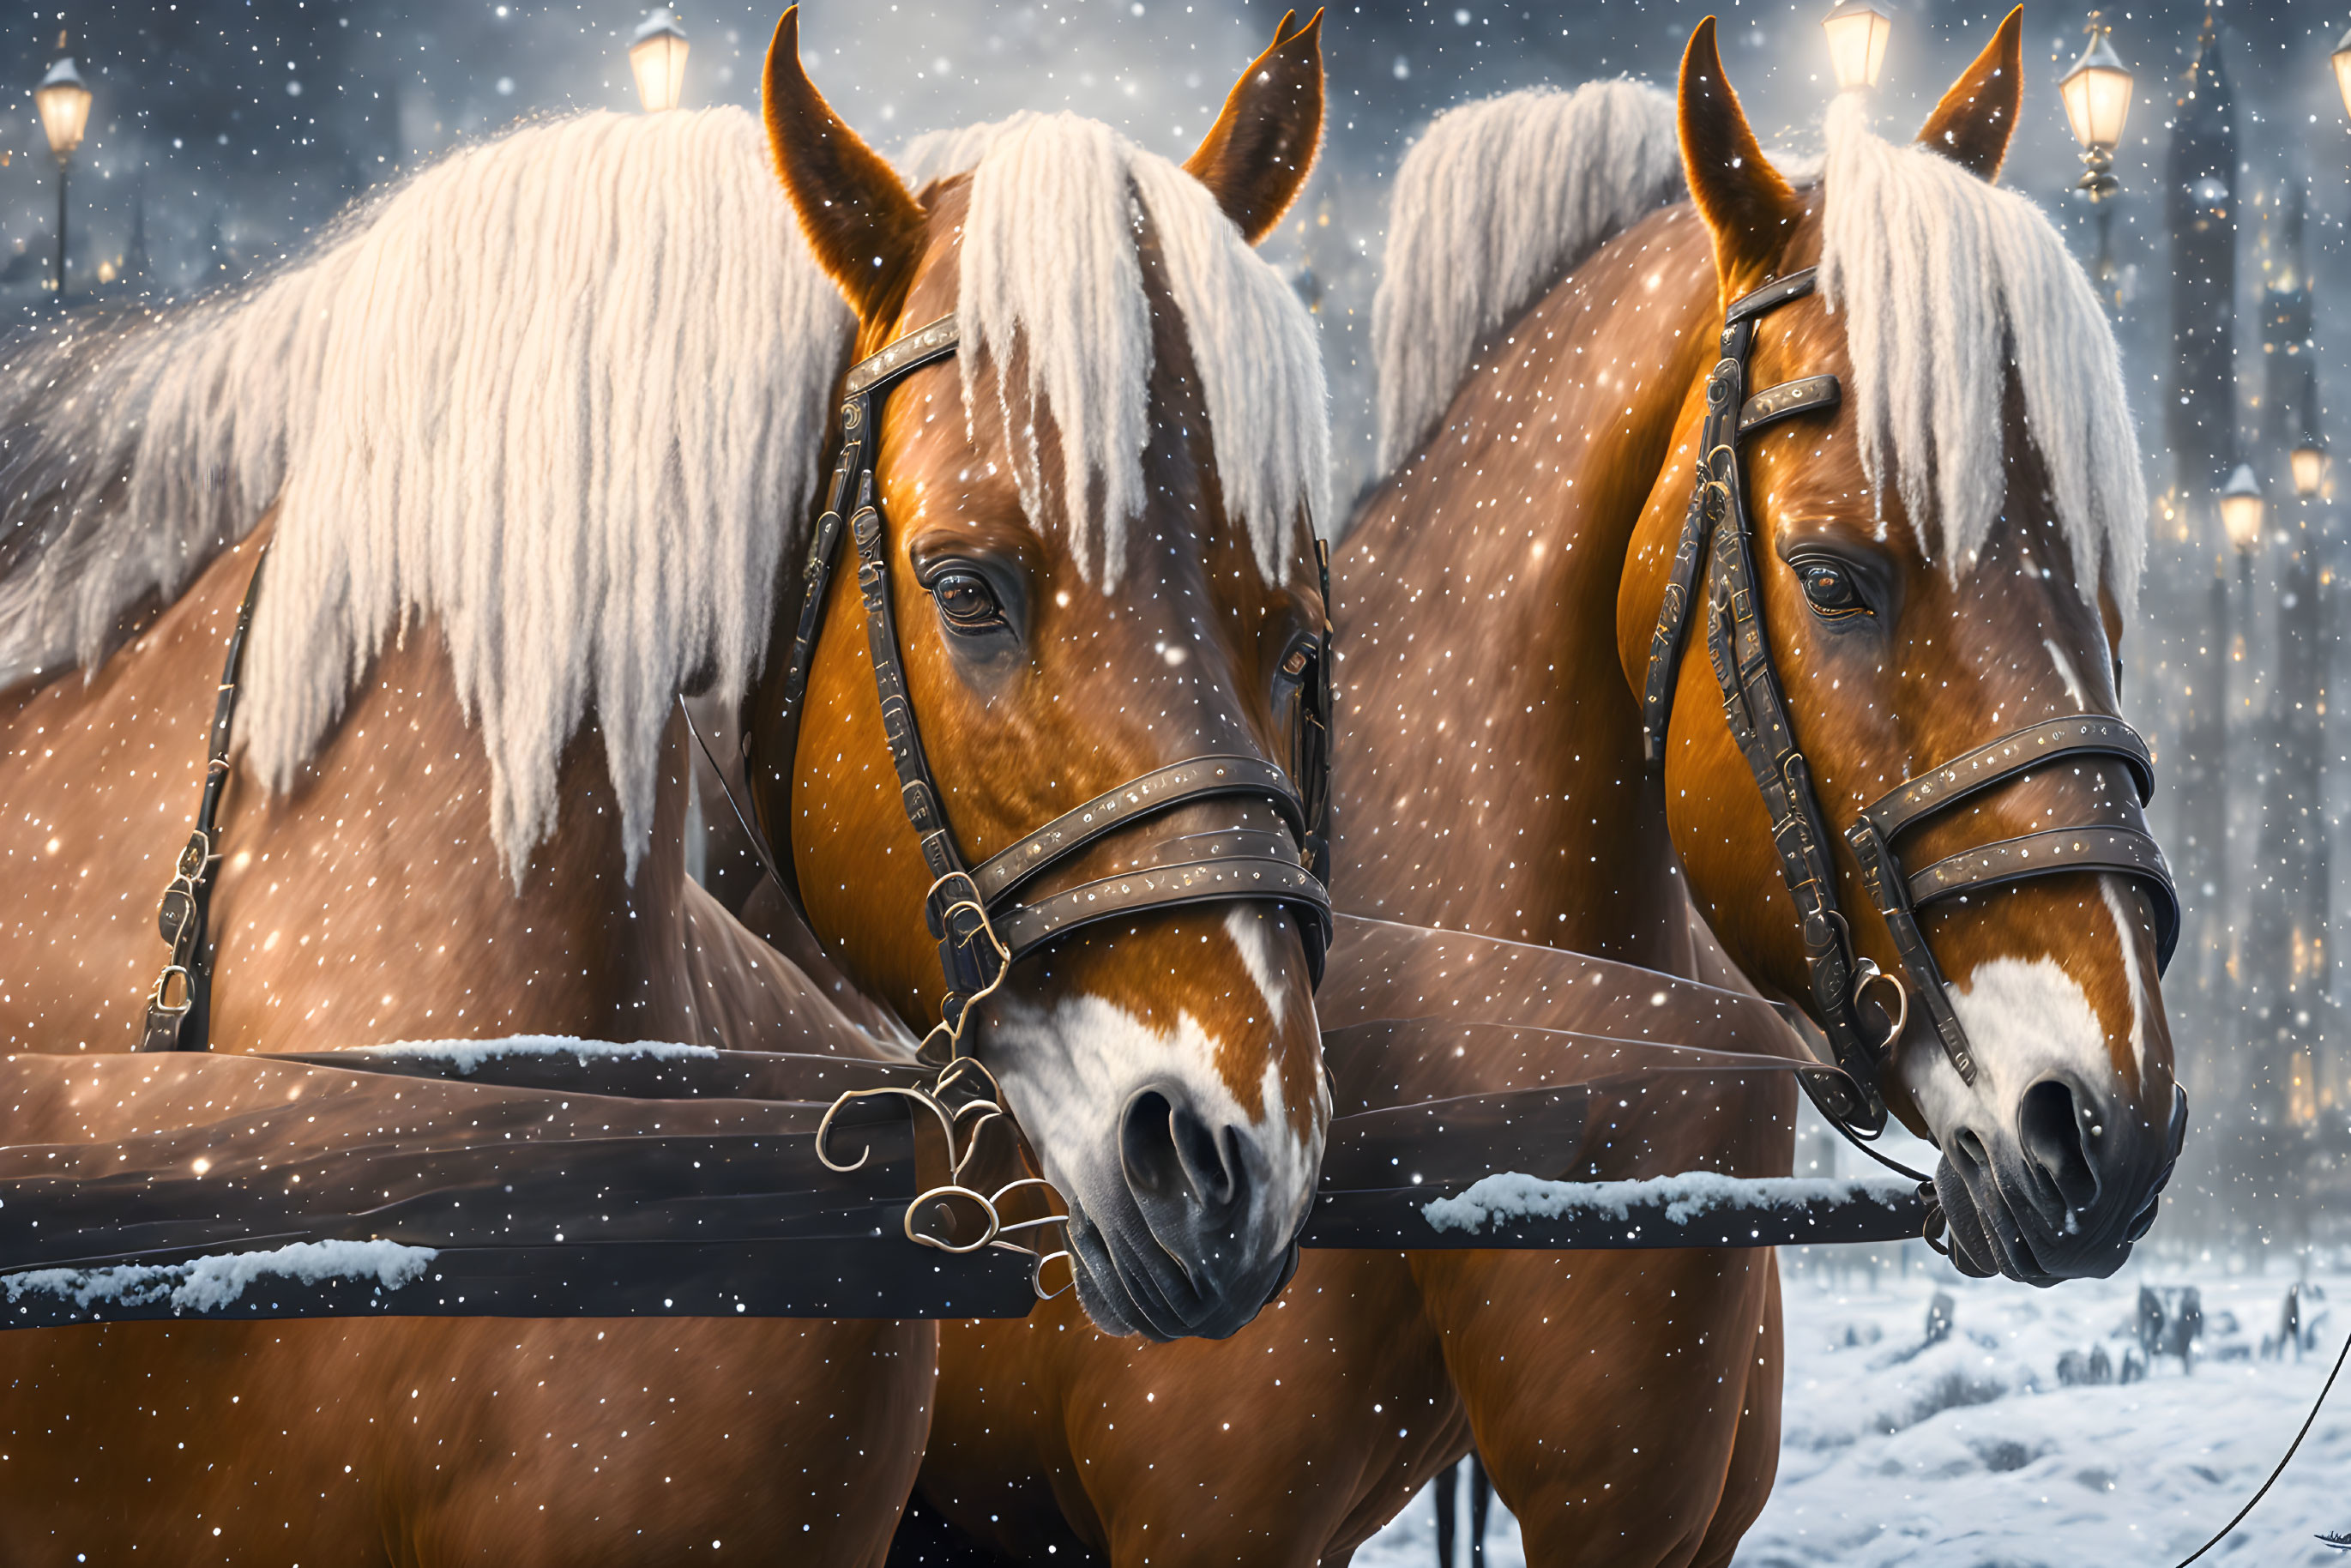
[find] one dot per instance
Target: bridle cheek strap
(1718, 539)
(977, 915)
(179, 1005)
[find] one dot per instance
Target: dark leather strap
(980, 927)
(1208, 880)
(2026, 750)
(1772, 296)
(2125, 851)
(1161, 790)
(1717, 471)
(816, 586)
(1787, 400)
(904, 356)
(1881, 873)
(179, 1006)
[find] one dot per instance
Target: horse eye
(1830, 589)
(966, 601)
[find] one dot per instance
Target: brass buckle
(1871, 975)
(155, 998)
(952, 1028)
(196, 855)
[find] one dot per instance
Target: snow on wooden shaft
(206, 1283)
(469, 1055)
(1510, 1195)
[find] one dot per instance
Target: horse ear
(1972, 124)
(1256, 157)
(1747, 206)
(864, 229)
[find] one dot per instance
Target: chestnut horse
(1934, 576)
(502, 537)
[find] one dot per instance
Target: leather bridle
(1719, 537)
(981, 917)
(983, 921)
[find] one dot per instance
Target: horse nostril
(2054, 1130)
(1171, 1153)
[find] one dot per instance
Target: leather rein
(1718, 539)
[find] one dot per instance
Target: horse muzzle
(1195, 1237)
(2066, 1192)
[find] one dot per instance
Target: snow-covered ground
(1973, 1452)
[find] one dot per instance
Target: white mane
(1497, 202)
(562, 394)
(936, 154)
(1949, 284)
(1050, 265)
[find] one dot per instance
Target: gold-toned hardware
(194, 855)
(156, 997)
(1902, 1001)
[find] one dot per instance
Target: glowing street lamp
(63, 99)
(1857, 32)
(2342, 59)
(2097, 97)
(2241, 510)
(657, 55)
(2308, 461)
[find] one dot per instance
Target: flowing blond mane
(562, 394)
(1049, 268)
(1949, 287)
(1497, 201)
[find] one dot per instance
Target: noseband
(978, 914)
(1719, 537)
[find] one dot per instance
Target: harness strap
(980, 928)
(1788, 399)
(1716, 539)
(2125, 852)
(1238, 865)
(1162, 790)
(2023, 751)
(179, 1006)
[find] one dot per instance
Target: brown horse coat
(1495, 599)
(426, 1440)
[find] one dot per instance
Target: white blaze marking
(1068, 1070)
(2066, 674)
(2132, 978)
(1252, 931)
(2027, 1018)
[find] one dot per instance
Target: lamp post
(657, 55)
(1857, 32)
(63, 100)
(2097, 96)
(2241, 507)
(2309, 461)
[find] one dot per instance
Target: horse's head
(1946, 557)
(1093, 521)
